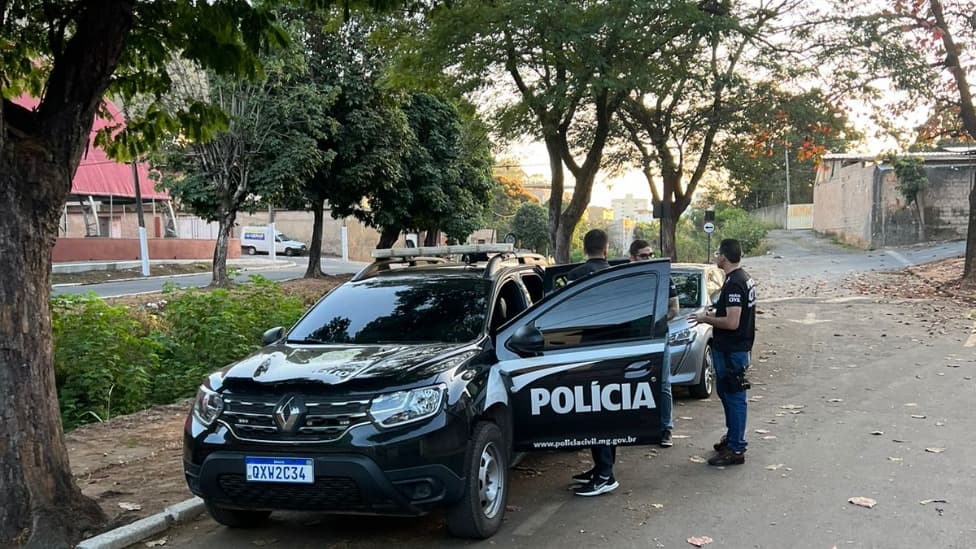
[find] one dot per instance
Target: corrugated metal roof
(99, 175)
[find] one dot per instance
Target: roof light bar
(389, 253)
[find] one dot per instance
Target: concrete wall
(298, 225)
(774, 215)
(124, 249)
(843, 198)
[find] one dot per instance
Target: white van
(255, 240)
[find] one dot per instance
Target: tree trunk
(432, 238)
(314, 269)
(40, 505)
(556, 185)
(224, 230)
(969, 266)
(563, 241)
(668, 228)
(388, 237)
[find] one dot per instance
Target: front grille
(327, 493)
(323, 419)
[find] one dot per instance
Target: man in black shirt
(734, 321)
(640, 250)
(599, 479)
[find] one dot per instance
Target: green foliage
(576, 252)
(691, 240)
(110, 360)
(910, 172)
(531, 226)
(105, 359)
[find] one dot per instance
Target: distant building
(632, 208)
(598, 216)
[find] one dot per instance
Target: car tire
(706, 381)
(289, 252)
(236, 518)
(479, 513)
(250, 250)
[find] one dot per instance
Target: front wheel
(706, 381)
(250, 250)
(236, 518)
(289, 252)
(479, 513)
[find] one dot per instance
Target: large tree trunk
(388, 237)
(224, 230)
(40, 505)
(556, 185)
(969, 268)
(314, 269)
(668, 229)
(432, 238)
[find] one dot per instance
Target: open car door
(583, 365)
(555, 276)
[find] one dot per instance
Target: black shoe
(666, 441)
(721, 445)
(598, 485)
(727, 457)
(583, 478)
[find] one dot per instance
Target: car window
(398, 309)
(533, 283)
(688, 286)
(510, 302)
(586, 318)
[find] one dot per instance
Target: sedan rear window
(398, 310)
(688, 286)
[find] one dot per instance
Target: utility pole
(143, 243)
(787, 151)
(273, 234)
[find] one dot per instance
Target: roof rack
(389, 253)
(522, 258)
(387, 264)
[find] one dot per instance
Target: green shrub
(104, 359)
(110, 360)
(207, 330)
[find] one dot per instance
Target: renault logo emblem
(287, 414)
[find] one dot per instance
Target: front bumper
(406, 471)
(344, 483)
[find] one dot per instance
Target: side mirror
(527, 341)
(273, 335)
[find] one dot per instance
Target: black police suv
(409, 388)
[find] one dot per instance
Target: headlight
(207, 406)
(406, 406)
(682, 337)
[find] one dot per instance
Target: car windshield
(398, 310)
(282, 237)
(688, 286)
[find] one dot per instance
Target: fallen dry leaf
(130, 506)
(697, 459)
(686, 418)
(698, 541)
(928, 501)
(894, 458)
(762, 431)
(836, 400)
(861, 501)
(513, 508)
(911, 404)
(877, 433)
(657, 505)
(792, 406)
(769, 437)
(774, 466)
(935, 450)
(156, 543)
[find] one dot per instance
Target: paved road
(155, 284)
(850, 392)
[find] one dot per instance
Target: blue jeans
(667, 421)
(733, 403)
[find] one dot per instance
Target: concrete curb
(184, 275)
(139, 530)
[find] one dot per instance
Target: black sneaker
(598, 485)
(583, 478)
(721, 445)
(727, 457)
(666, 441)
